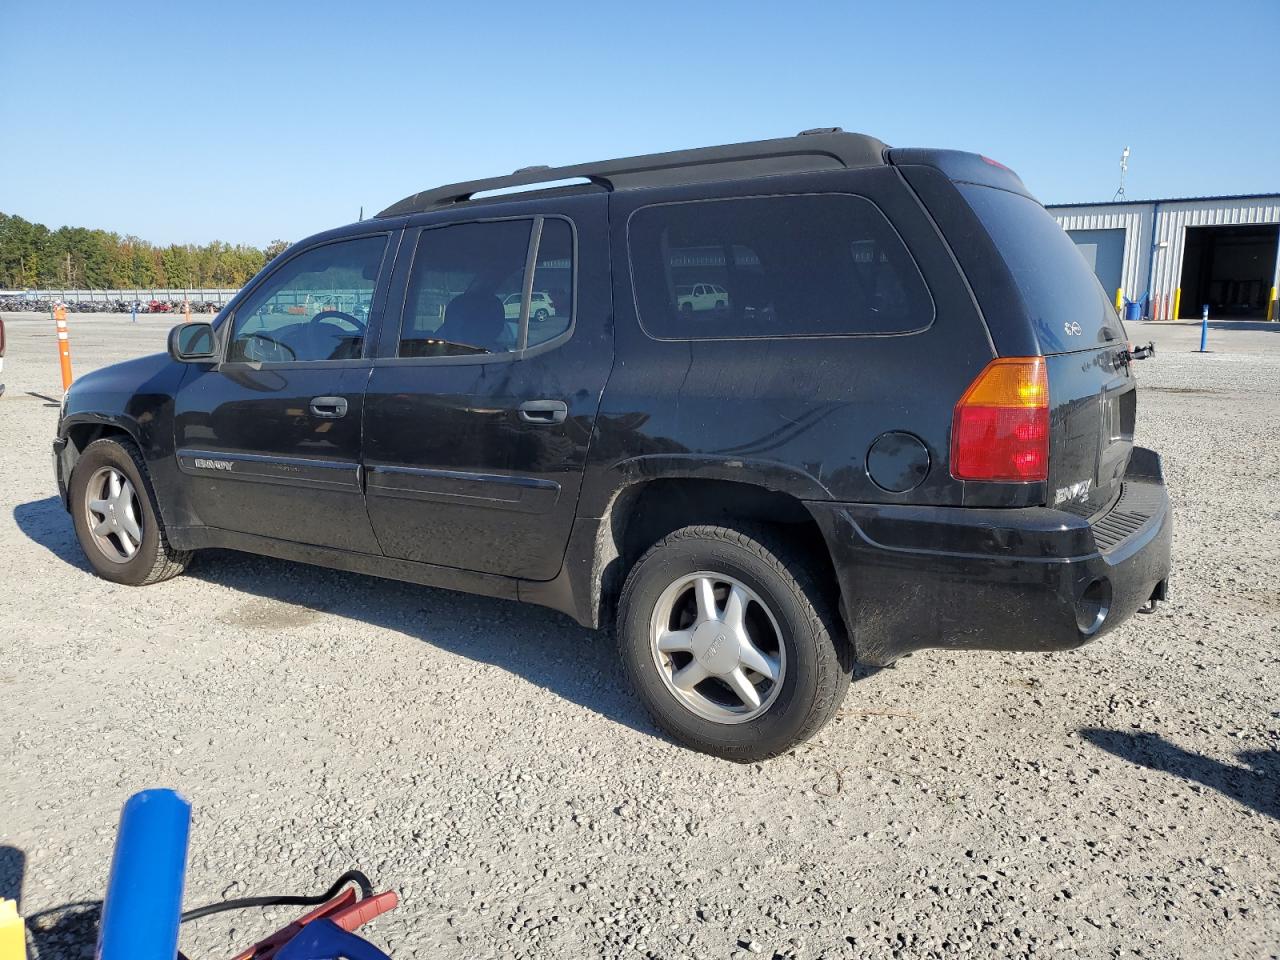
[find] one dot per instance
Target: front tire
(114, 511)
(732, 643)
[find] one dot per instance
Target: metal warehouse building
(1177, 255)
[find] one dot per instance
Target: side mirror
(193, 343)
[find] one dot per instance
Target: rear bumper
(1034, 578)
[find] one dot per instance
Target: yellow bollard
(1119, 299)
(64, 345)
(13, 937)
(1177, 304)
(1271, 306)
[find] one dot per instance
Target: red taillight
(1000, 429)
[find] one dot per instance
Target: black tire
(540, 315)
(819, 659)
(154, 560)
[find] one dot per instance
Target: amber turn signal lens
(1000, 427)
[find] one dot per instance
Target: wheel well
(80, 435)
(644, 513)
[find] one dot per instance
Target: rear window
(1062, 295)
(795, 266)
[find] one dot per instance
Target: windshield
(1066, 302)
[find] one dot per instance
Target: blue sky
(252, 121)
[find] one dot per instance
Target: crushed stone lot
(486, 759)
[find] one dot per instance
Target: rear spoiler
(961, 167)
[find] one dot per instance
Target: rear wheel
(113, 509)
(732, 643)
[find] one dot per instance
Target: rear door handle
(544, 411)
(330, 408)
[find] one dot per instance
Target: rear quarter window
(1066, 303)
(796, 266)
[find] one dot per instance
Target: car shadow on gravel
(46, 522)
(541, 645)
(544, 647)
(1256, 784)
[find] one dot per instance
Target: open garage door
(1229, 268)
(1103, 250)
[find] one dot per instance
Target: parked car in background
(540, 306)
(702, 296)
(905, 421)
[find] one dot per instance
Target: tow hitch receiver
(1161, 592)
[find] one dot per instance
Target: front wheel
(732, 643)
(114, 512)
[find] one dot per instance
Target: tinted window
(314, 307)
(466, 290)
(1066, 303)
(551, 308)
(823, 265)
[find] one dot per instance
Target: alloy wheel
(114, 514)
(717, 647)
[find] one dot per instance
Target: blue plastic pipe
(141, 910)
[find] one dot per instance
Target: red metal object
(344, 910)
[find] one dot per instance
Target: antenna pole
(1124, 168)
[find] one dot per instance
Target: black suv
(783, 406)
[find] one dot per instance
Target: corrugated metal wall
(1134, 219)
(1160, 275)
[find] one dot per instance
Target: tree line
(34, 257)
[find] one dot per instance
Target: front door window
(314, 307)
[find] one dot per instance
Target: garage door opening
(1229, 268)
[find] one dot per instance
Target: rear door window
(1062, 295)
(466, 290)
(551, 306)
(469, 292)
(813, 265)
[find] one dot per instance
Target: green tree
(32, 255)
(275, 248)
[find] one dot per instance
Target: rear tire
(113, 507)
(772, 624)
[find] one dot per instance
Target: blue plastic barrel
(1132, 309)
(143, 904)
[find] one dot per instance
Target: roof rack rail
(823, 148)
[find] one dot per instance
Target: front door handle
(330, 408)
(544, 411)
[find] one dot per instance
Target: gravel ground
(484, 758)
